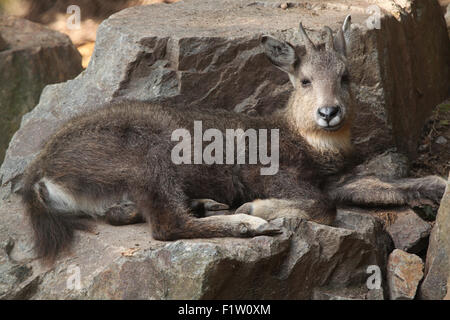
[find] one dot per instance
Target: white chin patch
(335, 121)
(322, 123)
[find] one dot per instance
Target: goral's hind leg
(170, 219)
(123, 213)
(238, 225)
(165, 205)
(208, 207)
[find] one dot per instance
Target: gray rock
(207, 54)
(441, 140)
(424, 148)
(404, 272)
(437, 266)
(31, 57)
(125, 263)
(409, 232)
(387, 165)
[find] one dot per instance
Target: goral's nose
(328, 113)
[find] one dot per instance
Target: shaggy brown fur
(116, 163)
(123, 153)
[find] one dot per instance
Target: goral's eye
(306, 83)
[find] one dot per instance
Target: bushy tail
(53, 229)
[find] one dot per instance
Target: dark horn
(306, 40)
(329, 43)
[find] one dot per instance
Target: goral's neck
(338, 142)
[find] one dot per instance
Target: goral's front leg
(269, 209)
(372, 191)
(123, 213)
(424, 194)
(209, 207)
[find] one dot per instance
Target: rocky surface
(307, 261)
(31, 57)
(388, 165)
(404, 271)
(190, 53)
(409, 232)
(437, 267)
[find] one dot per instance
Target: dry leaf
(130, 252)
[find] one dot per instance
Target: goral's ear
(282, 54)
(339, 41)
